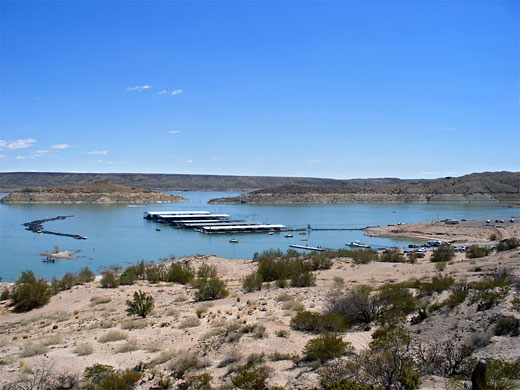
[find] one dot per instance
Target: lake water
(118, 234)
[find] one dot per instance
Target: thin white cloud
(173, 156)
(174, 132)
(105, 152)
(38, 153)
(429, 173)
(61, 146)
(42, 151)
(18, 144)
(171, 93)
(311, 161)
(139, 88)
(189, 161)
(78, 171)
(2, 155)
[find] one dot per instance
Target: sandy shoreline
(60, 254)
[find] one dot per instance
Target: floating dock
(242, 229)
(310, 248)
(156, 214)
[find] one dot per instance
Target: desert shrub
(33, 350)
(324, 348)
(506, 245)
(320, 263)
(84, 349)
(442, 254)
(29, 293)
(128, 277)
(133, 324)
(307, 321)
(360, 256)
(179, 273)
(303, 279)
(457, 295)
(438, 284)
(190, 322)
(445, 359)
(105, 377)
(109, 280)
(392, 256)
(502, 375)
(333, 376)
(197, 382)
(283, 333)
(493, 237)
(154, 273)
(5, 295)
(85, 276)
(475, 251)
(98, 300)
(207, 271)
(501, 277)
(252, 282)
(507, 325)
(267, 254)
(397, 302)
(112, 335)
(250, 377)
(275, 269)
(185, 361)
(68, 281)
(358, 306)
(129, 346)
(141, 305)
(210, 289)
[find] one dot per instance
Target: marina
(309, 248)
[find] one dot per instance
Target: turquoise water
(118, 234)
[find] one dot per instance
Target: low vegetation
(141, 305)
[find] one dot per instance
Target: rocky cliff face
(99, 192)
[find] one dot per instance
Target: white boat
(233, 240)
(288, 235)
(270, 233)
(357, 244)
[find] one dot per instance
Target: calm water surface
(118, 234)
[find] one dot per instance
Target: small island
(97, 192)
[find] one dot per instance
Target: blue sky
(325, 89)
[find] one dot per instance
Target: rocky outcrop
(478, 187)
(98, 192)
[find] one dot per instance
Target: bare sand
(60, 254)
(468, 232)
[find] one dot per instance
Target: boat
(357, 244)
(302, 233)
(270, 233)
(288, 235)
(303, 239)
(158, 229)
(48, 259)
(233, 240)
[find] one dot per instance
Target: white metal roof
(166, 216)
(176, 212)
(243, 227)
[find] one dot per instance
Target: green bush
(29, 293)
(6, 294)
(307, 321)
(109, 280)
(303, 278)
(506, 245)
(397, 302)
(252, 282)
(210, 289)
(392, 256)
(97, 372)
(324, 348)
(475, 251)
(250, 377)
(207, 271)
(197, 382)
(141, 305)
(85, 276)
(507, 325)
(128, 276)
(442, 254)
(68, 281)
(154, 273)
(359, 306)
(179, 273)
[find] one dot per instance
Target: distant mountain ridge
(11, 181)
(476, 187)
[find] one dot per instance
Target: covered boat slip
(242, 229)
(206, 222)
(156, 214)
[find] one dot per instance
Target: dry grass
(98, 300)
(113, 335)
(84, 349)
(53, 340)
(171, 312)
(129, 346)
(134, 324)
(190, 322)
(164, 356)
(33, 350)
(181, 298)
